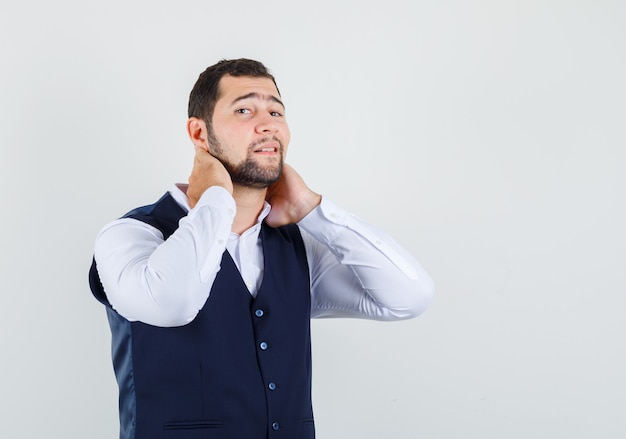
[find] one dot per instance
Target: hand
(291, 199)
(207, 171)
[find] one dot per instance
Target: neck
(249, 203)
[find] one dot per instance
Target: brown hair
(205, 92)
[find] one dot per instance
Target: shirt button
(258, 313)
(275, 426)
(272, 386)
(263, 345)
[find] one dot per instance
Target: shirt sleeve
(359, 271)
(165, 282)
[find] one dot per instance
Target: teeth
(267, 149)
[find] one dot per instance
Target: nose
(266, 123)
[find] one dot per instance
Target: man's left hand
(290, 198)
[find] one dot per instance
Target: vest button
(272, 386)
(263, 345)
(275, 426)
(258, 313)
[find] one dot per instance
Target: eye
(276, 113)
(243, 111)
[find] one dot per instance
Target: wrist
(307, 202)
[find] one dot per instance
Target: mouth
(268, 148)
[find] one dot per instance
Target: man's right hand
(207, 171)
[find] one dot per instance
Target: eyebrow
(255, 95)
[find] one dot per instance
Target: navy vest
(241, 369)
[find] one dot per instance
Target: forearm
(360, 271)
(164, 283)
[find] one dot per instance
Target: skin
(249, 124)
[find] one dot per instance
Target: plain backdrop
(488, 137)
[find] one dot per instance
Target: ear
(197, 131)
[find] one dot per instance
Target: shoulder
(163, 215)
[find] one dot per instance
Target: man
(209, 291)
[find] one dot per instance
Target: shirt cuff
(217, 197)
(320, 221)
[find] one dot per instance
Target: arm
(166, 283)
(356, 270)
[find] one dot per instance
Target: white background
(488, 137)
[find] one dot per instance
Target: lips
(266, 149)
(271, 147)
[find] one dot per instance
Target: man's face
(249, 132)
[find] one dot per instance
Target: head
(205, 92)
(235, 112)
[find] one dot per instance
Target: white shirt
(355, 269)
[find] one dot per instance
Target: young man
(209, 291)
